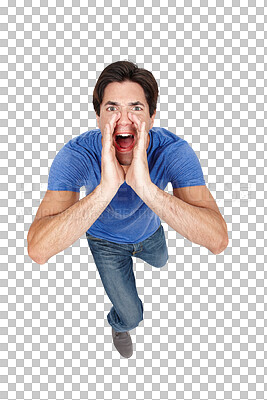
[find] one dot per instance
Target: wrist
(106, 192)
(146, 191)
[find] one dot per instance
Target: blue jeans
(115, 266)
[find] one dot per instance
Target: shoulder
(166, 140)
(85, 145)
(173, 149)
(79, 150)
(88, 139)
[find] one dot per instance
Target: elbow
(223, 246)
(35, 256)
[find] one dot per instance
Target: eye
(114, 108)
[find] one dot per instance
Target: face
(125, 95)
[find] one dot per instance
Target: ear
(97, 121)
(152, 118)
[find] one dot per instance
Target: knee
(161, 262)
(159, 265)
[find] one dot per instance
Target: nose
(124, 119)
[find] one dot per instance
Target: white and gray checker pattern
(204, 329)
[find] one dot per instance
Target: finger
(112, 123)
(141, 130)
(106, 136)
(135, 120)
(138, 126)
(109, 128)
(143, 134)
(114, 119)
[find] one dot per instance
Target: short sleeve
(67, 170)
(183, 166)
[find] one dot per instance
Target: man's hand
(112, 173)
(137, 175)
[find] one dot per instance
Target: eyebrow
(114, 103)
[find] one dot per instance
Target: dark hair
(121, 71)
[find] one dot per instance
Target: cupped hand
(137, 175)
(112, 173)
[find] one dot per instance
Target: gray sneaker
(123, 343)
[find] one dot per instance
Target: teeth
(124, 135)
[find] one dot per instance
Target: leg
(153, 250)
(115, 267)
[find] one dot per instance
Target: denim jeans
(115, 266)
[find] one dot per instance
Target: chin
(124, 158)
(126, 164)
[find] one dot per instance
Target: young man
(125, 165)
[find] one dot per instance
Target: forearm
(52, 234)
(199, 225)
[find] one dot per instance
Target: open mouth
(124, 142)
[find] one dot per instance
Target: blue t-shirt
(127, 219)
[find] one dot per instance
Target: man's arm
(52, 234)
(62, 219)
(198, 222)
(200, 225)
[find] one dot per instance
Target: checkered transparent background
(203, 334)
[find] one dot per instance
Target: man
(125, 165)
